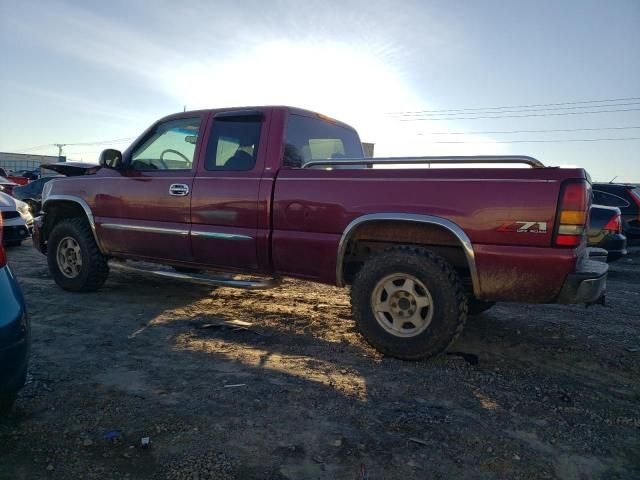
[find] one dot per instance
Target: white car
(17, 220)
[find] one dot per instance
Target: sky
(89, 72)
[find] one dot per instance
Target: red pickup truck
(275, 192)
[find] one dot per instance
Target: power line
(39, 147)
(416, 115)
(99, 142)
(520, 116)
(530, 131)
(555, 141)
(520, 106)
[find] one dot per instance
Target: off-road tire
(7, 399)
(449, 302)
(94, 270)
(476, 307)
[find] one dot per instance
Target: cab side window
(309, 139)
(233, 144)
(171, 146)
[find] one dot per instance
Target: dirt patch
(544, 391)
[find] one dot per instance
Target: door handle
(178, 189)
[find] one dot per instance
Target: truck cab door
(150, 215)
(229, 217)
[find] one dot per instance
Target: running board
(213, 281)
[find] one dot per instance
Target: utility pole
(60, 145)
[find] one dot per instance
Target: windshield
(171, 146)
(310, 139)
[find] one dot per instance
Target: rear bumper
(587, 284)
(615, 244)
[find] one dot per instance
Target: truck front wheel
(408, 303)
(75, 262)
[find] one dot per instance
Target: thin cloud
(75, 103)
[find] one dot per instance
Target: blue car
(15, 335)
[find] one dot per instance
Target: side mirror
(111, 158)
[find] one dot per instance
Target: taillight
(635, 194)
(572, 213)
(614, 225)
(3, 256)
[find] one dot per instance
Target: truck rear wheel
(75, 262)
(408, 303)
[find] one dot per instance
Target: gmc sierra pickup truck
(271, 192)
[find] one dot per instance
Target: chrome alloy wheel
(402, 305)
(69, 257)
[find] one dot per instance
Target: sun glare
(347, 82)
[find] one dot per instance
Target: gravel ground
(527, 392)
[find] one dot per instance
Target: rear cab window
(308, 139)
(233, 143)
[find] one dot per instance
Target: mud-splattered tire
(75, 262)
(7, 399)
(476, 307)
(408, 303)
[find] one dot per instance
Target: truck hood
(73, 169)
(8, 203)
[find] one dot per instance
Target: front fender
(58, 207)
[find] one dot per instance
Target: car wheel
(75, 262)
(408, 303)
(7, 399)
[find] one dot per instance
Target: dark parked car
(627, 198)
(32, 193)
(28, 174)
(605, 231)
(15, 336)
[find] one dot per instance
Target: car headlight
(23, 209)
(46, 190)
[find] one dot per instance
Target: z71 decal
(521, 226)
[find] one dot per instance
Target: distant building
(25, 161)
(368, 149)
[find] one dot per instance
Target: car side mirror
(111, 158)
